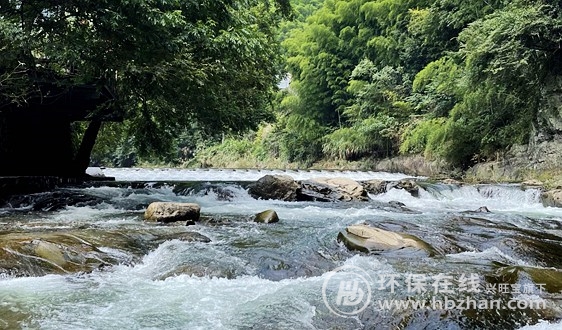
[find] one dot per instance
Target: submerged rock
(280, 187)
(37, 254)
(267, 216)
(52, 200)
(401, 207)
(187, 236)
(171, 212)
(549, 280)
(552, 198)
(370, 239)
(481, 209)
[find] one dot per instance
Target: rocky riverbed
(85, 257)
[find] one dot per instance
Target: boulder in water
(331, 190)
(370, 239)
(350, 190)
(401, 207)
(267, 216)
(375, 187)
(280, 187)
(171, 212)
(552, 198)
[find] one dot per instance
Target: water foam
(172, 174)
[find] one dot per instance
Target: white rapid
(255, 276)
(172, 174)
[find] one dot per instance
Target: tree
(165, 64)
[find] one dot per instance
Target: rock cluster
(283, 187)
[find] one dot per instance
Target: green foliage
(422, 136)
(172, 65)
(508, 57)
(301, 139)
(372, 136)
(458, 80)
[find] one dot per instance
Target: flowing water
(227, 272)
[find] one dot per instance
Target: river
(227, 272)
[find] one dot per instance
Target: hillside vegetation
(453, 80)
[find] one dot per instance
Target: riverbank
(538, 163)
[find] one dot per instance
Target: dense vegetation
(449, 79)
(177, 68)
(456, 80)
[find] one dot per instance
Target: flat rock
(331, 190)
(370, 239)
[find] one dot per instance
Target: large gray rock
(280, 187)
(375, 187)
(267, 216)
(552, 198)
(370, 239)
(332, 190)
(171, 212)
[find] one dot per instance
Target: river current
(278, 276)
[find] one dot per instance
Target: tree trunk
(82, 159)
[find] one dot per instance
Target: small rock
(401, 207)
(396, 204)
(171, 212)
(267, 216)
(482, 209)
